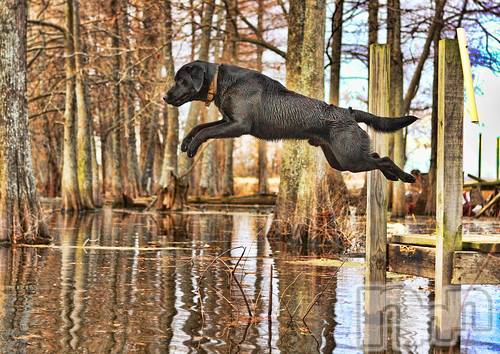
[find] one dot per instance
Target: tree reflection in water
(132, 282)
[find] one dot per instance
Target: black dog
(252, 103)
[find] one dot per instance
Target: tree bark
(337, 186)
(117, 194)
(290, 157)
(430, 203)
(149, 127)
(84, 129)
(169, 170)
(229, 55)
(372, 22)
(70, 192)
(396, 93)
(21, 219)
(298, 212)
(336, 52)
(209, 175)
(132, 177)
(262, 145)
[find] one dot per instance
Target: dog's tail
(383, 124)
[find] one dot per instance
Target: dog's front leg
(229, 129)
(187, 139)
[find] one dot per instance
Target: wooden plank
(449, 186)
(412, 260)
(478, 243)
(476, 268)
(469, 267)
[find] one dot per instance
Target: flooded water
(118, 282)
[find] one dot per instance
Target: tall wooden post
(448, 191)
(376, 208)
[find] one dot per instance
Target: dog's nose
(165, 98)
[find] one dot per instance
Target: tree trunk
(132, 176)
(372, 22)
(430, 203)
(312, 192)
(262, 145)
(117, 194)
(229, 55)
(172, 138)
(290, 157)
(21, 219)
(299, 217)
(209, 171)
(336, 52)
(84, 129)
(396, 93)
(337, 186)
(70, 192)
(148, 134)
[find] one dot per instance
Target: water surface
(129, 282)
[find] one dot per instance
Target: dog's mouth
(179, 101)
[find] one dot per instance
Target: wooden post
(376, 208)
(449, 185)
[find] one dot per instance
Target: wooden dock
(477, 263)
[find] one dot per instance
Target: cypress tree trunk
(262, 145)
(116, 135)
(21, 219)
(297, 212)
(290, 158)
(430, 206)
(229, 55)
(337, 186)
(70, 192)
(169, 170)
(149, 126)
(209, 175)
(132, 177)
(84, 130)
(336, 52)
(396, 90)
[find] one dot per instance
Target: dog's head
(189, 81)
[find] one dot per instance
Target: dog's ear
(198, 76)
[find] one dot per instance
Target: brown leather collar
(212, 89)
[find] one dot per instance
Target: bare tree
(21, 218)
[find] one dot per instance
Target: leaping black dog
(252, 103)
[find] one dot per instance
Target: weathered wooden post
(448, 191)
(376, 208)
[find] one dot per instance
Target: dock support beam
(376, 209)
(449, 186)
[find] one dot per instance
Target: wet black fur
(253, 103)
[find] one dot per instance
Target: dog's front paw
(408, 178)
(191, 153)
(185, 143)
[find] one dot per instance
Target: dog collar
(212, 89)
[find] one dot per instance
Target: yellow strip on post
(469, 87)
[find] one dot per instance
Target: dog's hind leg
(327, 151)
(351, 147)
